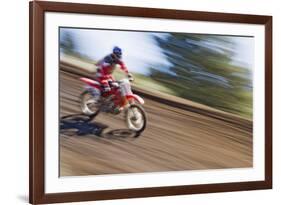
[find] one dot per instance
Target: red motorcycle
(119, 99)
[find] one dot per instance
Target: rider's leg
(106, 82)
(105, 85)
(120, 103)
(103, 80)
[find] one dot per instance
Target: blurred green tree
(67, 43)
(203, 70)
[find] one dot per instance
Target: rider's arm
(123, 66)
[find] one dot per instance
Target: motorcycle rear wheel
(89, 104)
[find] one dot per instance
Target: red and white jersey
(108, 63)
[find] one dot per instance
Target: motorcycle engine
(108, 104)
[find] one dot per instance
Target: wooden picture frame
(37, 194)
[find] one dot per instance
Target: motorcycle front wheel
(89, 103)
(136, 118)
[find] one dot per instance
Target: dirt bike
(95, 100)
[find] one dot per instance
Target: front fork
(127, 106)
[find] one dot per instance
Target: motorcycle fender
(90, 82)
(135, 97)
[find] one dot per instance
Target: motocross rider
(106, 66)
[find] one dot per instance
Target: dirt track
(175, 139)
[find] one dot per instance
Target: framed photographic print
(137, 102)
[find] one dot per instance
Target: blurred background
(213, 70)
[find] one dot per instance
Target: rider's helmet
(117, 52)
